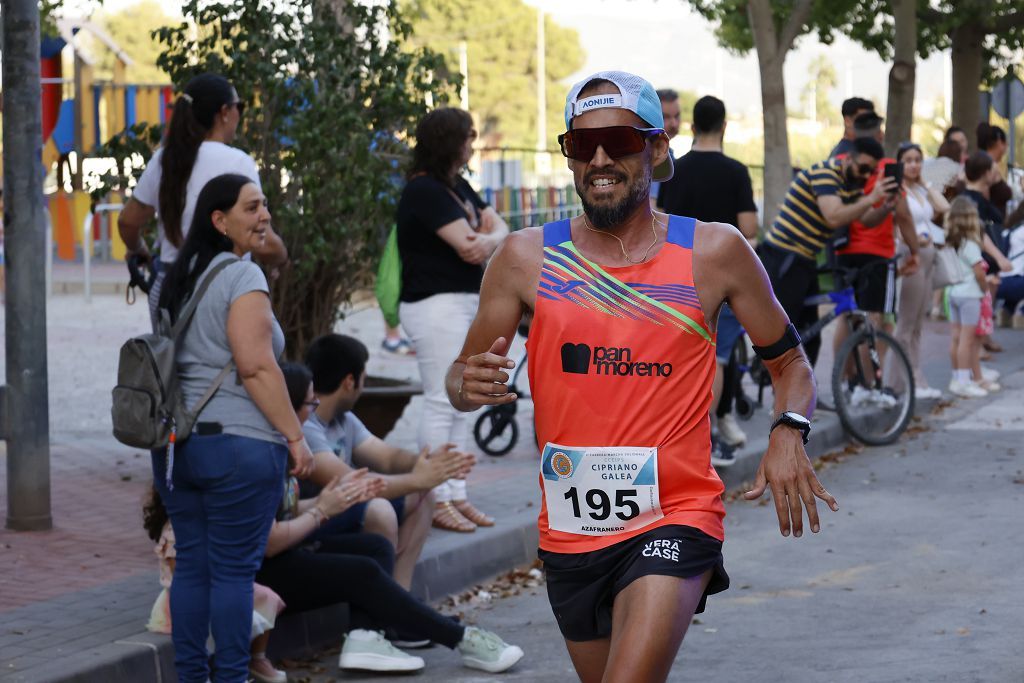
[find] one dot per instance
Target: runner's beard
(606, 216)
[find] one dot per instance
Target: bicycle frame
(844, 301)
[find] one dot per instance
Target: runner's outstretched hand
(484, 380)
(787, 470)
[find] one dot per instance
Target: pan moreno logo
(610, 361)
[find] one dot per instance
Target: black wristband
(790, 339)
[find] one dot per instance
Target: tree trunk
(899, 112)
(968, 62)
(770, 60)
(778, 170)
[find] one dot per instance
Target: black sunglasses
(865, 169)
(617, 141)
(240, 106)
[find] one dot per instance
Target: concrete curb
(446, 567)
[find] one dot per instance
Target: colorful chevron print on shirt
(622, 357)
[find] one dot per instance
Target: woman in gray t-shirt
(226, 476)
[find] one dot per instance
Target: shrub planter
(383, 401)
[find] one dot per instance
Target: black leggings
(354, 568)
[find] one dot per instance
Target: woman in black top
(446, 233)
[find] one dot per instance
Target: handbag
(388, 287)
(948, 268)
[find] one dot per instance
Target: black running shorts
(874, 284)
(583, 586)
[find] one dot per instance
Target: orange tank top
(621, 363)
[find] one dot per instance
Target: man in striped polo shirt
(821, 199)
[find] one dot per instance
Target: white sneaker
(989, 386)
(729, 430)
(371, 651)
(862, 397)
(966, 389)
(926, 393)
(989, 374)
(484, 650)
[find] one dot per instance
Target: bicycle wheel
(496, 431)
(874, 403)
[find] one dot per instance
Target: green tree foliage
(331, 90)
(732, 23)
(984, 36)
(501, 42)
(1002, 22)
(772, 27)
(133, 29)
(821, 80)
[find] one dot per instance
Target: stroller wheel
(496, 431)
(744, 407)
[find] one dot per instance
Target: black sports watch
(794, 420)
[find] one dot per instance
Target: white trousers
(437, 328)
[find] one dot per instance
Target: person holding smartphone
(870, 249)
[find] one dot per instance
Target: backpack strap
(212, 389)
(190, 308)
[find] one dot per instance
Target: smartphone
(894, 170)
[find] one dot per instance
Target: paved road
(916, 578)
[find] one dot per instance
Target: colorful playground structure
(81, 112)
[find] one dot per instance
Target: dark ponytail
(193, 116)
(203, 242)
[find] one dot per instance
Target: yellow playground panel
(81, 113)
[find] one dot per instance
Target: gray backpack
(148, 406)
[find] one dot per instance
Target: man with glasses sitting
(821, 200)
(622, 357)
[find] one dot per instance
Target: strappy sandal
(472, 514)
(447, 517)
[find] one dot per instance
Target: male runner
(621, 362)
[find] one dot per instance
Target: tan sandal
(472, 514)
(447, 517)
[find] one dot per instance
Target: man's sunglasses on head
(617, 141)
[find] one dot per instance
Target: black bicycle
(872, 379)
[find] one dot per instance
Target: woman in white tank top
(925, 203)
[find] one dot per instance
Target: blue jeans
(226, 492)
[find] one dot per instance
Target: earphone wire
(622, 246)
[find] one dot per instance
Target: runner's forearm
(793, 383)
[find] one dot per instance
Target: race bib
(597, 491)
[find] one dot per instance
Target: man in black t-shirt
(709, 186)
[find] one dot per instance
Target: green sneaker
(371, 651)
(486, 651)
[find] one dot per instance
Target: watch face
(796, 417)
